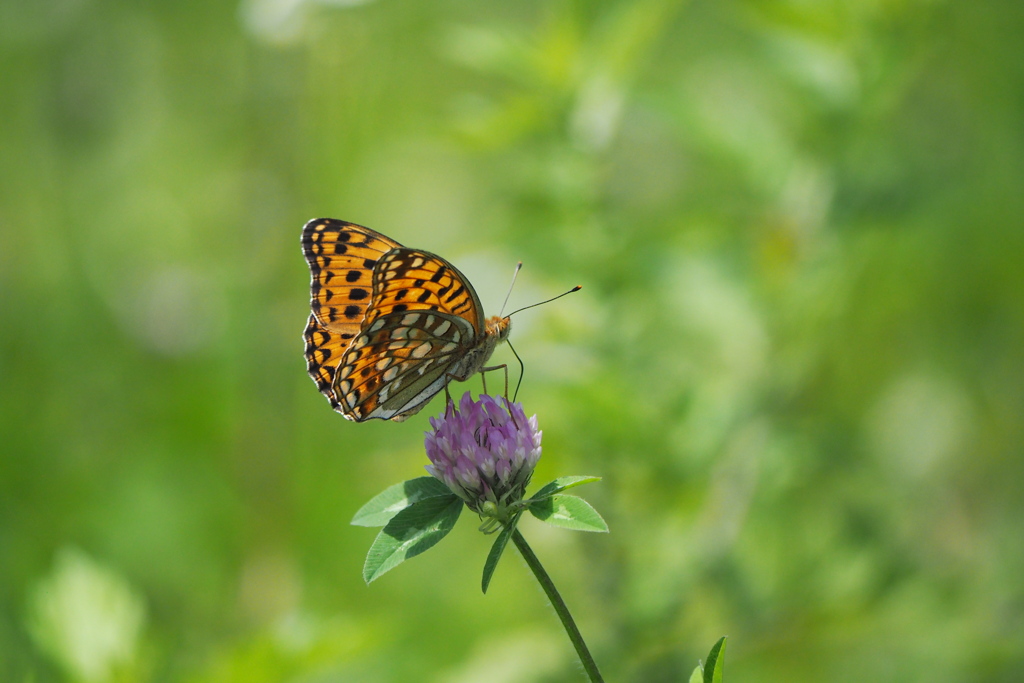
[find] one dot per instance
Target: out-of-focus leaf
(86, 617)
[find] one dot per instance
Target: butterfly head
(498, 327)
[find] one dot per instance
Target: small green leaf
(496, 550)
(394, 499)
(570, 512)
(412, 531)
(716, 662)
(698, 675)
(561, 484)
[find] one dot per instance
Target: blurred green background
(797, 360)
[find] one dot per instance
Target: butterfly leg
(448, 402)
(483, 376)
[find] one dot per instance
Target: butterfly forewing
(341, 258)
(414, 280)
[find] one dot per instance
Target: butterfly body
(496, 330)
(390, 326)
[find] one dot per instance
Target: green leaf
(411, 531)
(716, 662)
(570, 512)
(561, 484)
(394, 499)
(712, 673)
(496, 550)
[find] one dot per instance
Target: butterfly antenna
(522, 370)
(515, 274)
(541, 303)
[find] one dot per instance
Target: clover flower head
(484, 451)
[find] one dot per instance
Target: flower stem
(563, 612)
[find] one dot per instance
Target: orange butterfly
(390, 326)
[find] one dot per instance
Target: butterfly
(390, 326)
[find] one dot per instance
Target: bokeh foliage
(797, 360)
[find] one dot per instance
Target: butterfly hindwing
(342, 257)
(399, 362)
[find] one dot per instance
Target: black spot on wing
(457, 293)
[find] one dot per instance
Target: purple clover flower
(485, 452)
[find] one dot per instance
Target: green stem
(563, 612)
